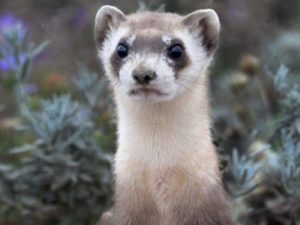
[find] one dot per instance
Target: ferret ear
(107, 19)
(207, 25)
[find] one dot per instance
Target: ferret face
(153, 56)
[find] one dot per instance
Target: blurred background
(57, 124)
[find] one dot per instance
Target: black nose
(143, 77)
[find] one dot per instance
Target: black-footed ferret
(166, 167)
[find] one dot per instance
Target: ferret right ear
(206, 24)
(107, 19)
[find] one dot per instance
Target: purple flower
(11, 29)
(80, 18)
(4, 65)
(10, 24)
(30, 89)
(11, 63)
(7, 21)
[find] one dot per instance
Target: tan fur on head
(108, 19)
(207, 21)
(166, 167)
(148, 36)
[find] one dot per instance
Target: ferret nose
(143, 77)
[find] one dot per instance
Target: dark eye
(175, 51)
(122, 50)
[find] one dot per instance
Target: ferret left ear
(107, 19)
(207, 25)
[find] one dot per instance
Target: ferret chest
(161, 187)
(166, 182)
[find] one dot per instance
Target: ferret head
(153, 56)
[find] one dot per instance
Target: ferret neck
(181, 121)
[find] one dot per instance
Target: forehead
(164, 22)
(150, 40)
(151, 31)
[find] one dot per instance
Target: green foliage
(62, 176)
(289, 163)
(56, 153)
(243, 170)
(88, 83)
(265, 181)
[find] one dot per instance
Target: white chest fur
(164, 147)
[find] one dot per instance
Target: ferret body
(166, 168)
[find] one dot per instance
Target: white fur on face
(131, 39)
(199, 61)
(166, 39)
(109, 46)
(164, 85)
